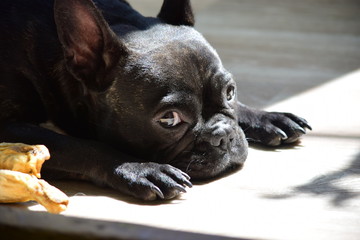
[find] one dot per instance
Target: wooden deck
(298, 56)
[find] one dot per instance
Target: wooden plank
(19, 224)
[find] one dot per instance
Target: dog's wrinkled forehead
(174, 53)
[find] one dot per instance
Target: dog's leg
(270, 128)
(102, 164)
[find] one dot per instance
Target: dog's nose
(222, 135)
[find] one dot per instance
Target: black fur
(145, 102)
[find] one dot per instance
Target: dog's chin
(207, 162)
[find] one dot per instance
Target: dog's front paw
(275, 128)
(149, 181)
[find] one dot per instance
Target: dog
(145, 103)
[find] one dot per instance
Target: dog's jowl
(145, 102)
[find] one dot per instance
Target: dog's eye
(230, 93)
(170, 119)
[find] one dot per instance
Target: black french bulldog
(145, 102)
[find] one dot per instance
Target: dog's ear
(90, 47)
(177, 12)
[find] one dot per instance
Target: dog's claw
(157, 191)
(180, 188)
(306, 125)
(303, 123)
(299, 120)
(300, 129)
(185, 175)
(282, 134)
(182, 178)
(188, 183)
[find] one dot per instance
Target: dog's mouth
(202, 161)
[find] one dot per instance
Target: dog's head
(162, 92)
